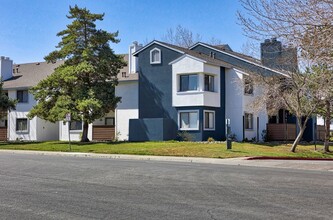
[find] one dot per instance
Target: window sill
(155, 63)
(188, 129)
(194, 92)
(209, 129)
(22, 132)
(249, 129)
(75, 131)
(246, 94)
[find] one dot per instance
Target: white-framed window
(248, 86)
(22, 96)
(155, 56)
(188, 120)
(75, 126)
(188, 82)
(248, 121)
(21, 125)
(209, 120)
(209, 83)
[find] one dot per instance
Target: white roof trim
(186, 55)
(237, 57)
(161, 44)
(241, 72)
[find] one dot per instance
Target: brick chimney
(276, 56)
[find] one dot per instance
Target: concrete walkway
(240, 161)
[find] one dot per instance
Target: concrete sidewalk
(240, 161)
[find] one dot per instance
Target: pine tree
(85, 84)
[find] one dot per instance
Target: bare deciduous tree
(181, 36)
(308, 26)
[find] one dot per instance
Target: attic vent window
(123, 74)
(155, 56)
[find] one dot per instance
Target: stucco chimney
(6, 68)
(132, 60)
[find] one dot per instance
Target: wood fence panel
(103, 133)
(281, 132)
(3, 133)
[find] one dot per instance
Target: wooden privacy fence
(3, 133)
(103, 132)
(320, 132)
(281, 132)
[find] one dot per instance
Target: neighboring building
(18, 79)
(115, 124)
(195, 90)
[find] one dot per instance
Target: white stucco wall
(30, 135)
(74, 134)
(127, 108)
(234, 102)
(237, 104)
(189, 65)
(47, 131)
(38, 129)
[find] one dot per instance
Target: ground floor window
(209, 120)
(189, 120)
(75, 125)
(109, 121)
(22, 125)
(248, 120)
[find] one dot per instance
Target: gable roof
(202, 57)
(169, 46)
(240, 56)
(29, 74)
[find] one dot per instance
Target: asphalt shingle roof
(29, 74)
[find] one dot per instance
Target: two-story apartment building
(196, 90)
(18, 79)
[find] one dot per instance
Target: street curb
(131, 157)
(288, 158)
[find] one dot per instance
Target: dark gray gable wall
(157, 118)
(155, 84)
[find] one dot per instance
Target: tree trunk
(84, 137)
(327, 126)
(302, 127)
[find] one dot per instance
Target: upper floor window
(248, 86)
(188, 82)
(22, 96)
(155, 56)
(209, 83)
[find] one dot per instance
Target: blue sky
(29, 28)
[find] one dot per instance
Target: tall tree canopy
(5, 102)
(85, 84)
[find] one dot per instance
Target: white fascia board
(237, 57)
(158, 43)
(241, 72)
(189, 56)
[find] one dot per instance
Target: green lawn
(173, 148)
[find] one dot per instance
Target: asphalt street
(57, 187)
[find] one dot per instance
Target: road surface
(57, 187)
